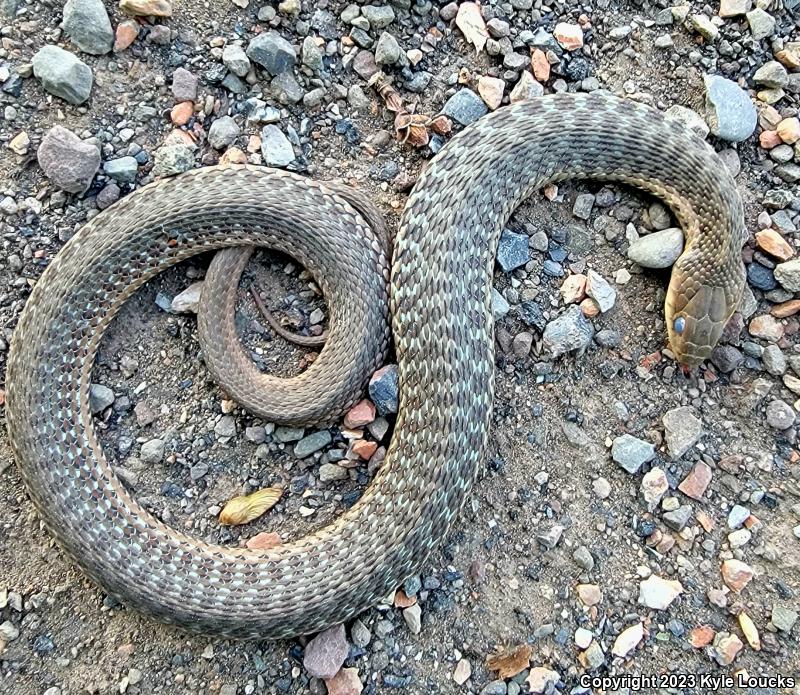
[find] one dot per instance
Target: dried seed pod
(245, 508)
(391, 98)
(412, 128)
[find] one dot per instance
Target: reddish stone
(346, 682)
(736, 574)
(701, 636)
(126, 34)
(401, 600)
(360, 415)
(774, 244)
(540, 65)
(570, 36)
(364, 449)
(769, 139)
(694, 485)
(785, 309)
(264, 541)
(181, 113)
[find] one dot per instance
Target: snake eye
(679, 325)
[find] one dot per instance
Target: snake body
(440, 284)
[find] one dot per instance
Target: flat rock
(272, 52)
(223, 132)
(682, 430)
(569, 332)
(383, 390)
(87, 24)
(63, 74)
(599, 289)
(694, 485)
(122, 169)
(730, 113)
(736, 574)
(326, 653)
(631, 452)
(657, 250)
(788, 275)
(513, 250)
(311, 443)
(658, 593)
(627, 640)
(275, 147)
(465, 107)
(188, 301)
(100, 397)
(69, 162)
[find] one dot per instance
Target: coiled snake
(442, 326)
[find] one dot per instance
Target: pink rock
(326, 653)
(364, 449)
(126, 34)
(589, 594)
(658, 593)
(264, 541)
(346, 682)
(654, 487)
(789, 130)
(694, 485)
(766, 327)
(360, 415)
(491, 90)
(736, 574)
(570, 36)
(726, 647)
(540, 65)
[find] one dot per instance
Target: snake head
(696, 315)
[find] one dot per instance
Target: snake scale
(439, 290)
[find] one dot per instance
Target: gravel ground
(632, 519)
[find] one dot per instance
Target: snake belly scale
(440, 285)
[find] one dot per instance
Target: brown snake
(442, 326)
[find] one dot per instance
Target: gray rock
(570, 332)
(378, 16)
(8, 8)
(729, 111)
(184, 85)
(152, 451)
(678, 518)
(188, 301)
(286, 89)
(771, 74)
(311, 443)
(388, 51)
(780, 415)
(63, 74)
(123, 169)
(774, 360)
(657, 250)
(69, 162)
(583, 558)
(598, 288)
(737, 516)
(311, 54)
(726, 358)
(87, 25)
(788, 275)
(383, 390)
(225, 426)
(272, 52)
(235, 59)
(512, 251)
(284, 434)
(631, 452)
(582, 208)
(500, 306)
(783, 617)
(100, 397)
(688, 118)
(360, 634)
(326, 653)
(704, 26)
(275, 147)
(8, 631)
(173, 159)
(223, 133)
(495, 687)
(762, 24)
(330, 472)
(682, 430)
(526, 88)
(465, 107)
(413, 617)
(593, 657)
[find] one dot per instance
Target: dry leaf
(243, 509)
(470, 20)
(509, 662)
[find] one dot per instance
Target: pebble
(63, 74)
(695, 484)
(184, 85)
(311, 443)
(146, 8)
(123, 170)
(526, 88)
(705, 27)
(654, 486)
(541, 679)
(689, 119)
(152, 451)
(682, 430)
(188, 301)
(780, 415)
(387, 50)
(69, 162)
(173, 159)
(569, 332)
(631, 453)
(491, 90)
(465, 107)
(100, 398)
(736, 574)
(275, 147)
(223, 133)
(788, 275)
(512, 251)
(734, 8)
(761, 23)
(582, 209)
(598, 288)
(325, 654)
(729, 112)
(783, 617)
(726, 647)
(413, 617)
(658, 593)
(569, 36)
(235, 59)
(378, 16)
(766, 327)
(677, 519)
(87, 24)
(774, 360)
(346, 682)
(771, 74)
(383, 390)
(583, 558)
(272, 52)
(628, 640)
(657, 250)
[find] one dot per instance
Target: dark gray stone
(465, 107)
(272, 52)
(87, 25)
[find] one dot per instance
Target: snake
(431, 296)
